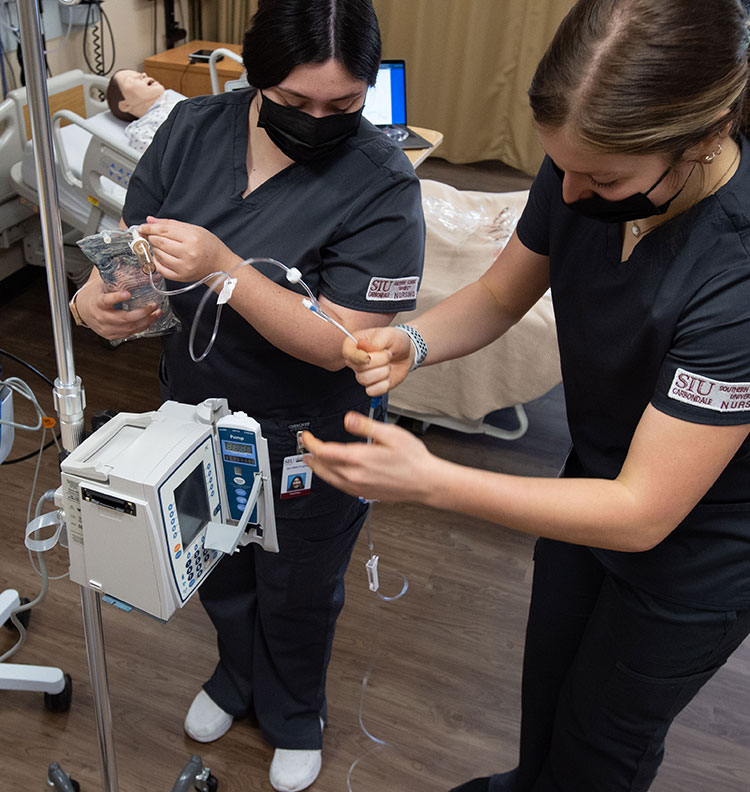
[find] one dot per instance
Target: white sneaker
(206, 721)
(293, 770)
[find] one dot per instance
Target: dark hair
(646, 76)
(284, 34)
(114, 97)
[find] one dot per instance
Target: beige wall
(470, 63)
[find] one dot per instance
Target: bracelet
(74, 310)
(420, 347)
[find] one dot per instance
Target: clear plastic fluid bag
(120, 270)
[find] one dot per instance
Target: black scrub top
(352, 223)
(668, 327)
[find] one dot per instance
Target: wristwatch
(419, 344)
(74, 310)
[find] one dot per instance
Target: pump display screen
(232, 449)
(191, 500)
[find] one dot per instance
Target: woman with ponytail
(639, 221)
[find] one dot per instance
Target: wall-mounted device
(79, 14)
(9, 22)
(152, 501)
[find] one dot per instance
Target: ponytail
(646, 76)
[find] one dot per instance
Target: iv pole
(69, 396)
(68, 391)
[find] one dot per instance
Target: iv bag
(120, 270)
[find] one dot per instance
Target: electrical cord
(27, 365)
(96, 39)
(56, 438)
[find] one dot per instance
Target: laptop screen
(386, 100)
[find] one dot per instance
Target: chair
(55, 685)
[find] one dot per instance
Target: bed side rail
(94, 91)
(104, 159)
(11, 146)
(213, 70)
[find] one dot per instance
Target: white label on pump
(73, 511)
(393, 288)
(709, 393)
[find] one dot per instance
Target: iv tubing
(293, 275)
(48, 496)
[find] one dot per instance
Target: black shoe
(504, 782)
(477, 785)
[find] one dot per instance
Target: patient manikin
(136, 98)
(143, 101)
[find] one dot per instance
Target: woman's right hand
(97, 310)
(381, 358)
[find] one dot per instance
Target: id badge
(296, 477)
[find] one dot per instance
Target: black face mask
(634, 207)
(303, 137)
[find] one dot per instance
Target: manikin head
(130, 94)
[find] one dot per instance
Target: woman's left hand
(395, 466)
(186, 252)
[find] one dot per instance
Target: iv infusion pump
(152, 502)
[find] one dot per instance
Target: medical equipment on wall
(153, 501)
(9, 25)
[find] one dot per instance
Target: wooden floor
(443, 662)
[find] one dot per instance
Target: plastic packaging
(461, 223)
(120, 270)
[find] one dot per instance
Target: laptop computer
(385, 105)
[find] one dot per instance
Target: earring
(712, 156)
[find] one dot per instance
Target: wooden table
(434, 138)
(172, 68)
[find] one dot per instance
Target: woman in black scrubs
(289, 170)
(639, 221)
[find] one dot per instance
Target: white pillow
(109, 127)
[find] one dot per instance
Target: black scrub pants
(275, 616)
(606, 669)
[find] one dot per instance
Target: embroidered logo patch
(708, 393)
(393, 288)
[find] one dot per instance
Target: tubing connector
(142, 250)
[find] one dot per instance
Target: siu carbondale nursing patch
(393, 288)
(708, 393)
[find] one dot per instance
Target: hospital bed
(465, 232)
(93, 159)
(92, 156)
